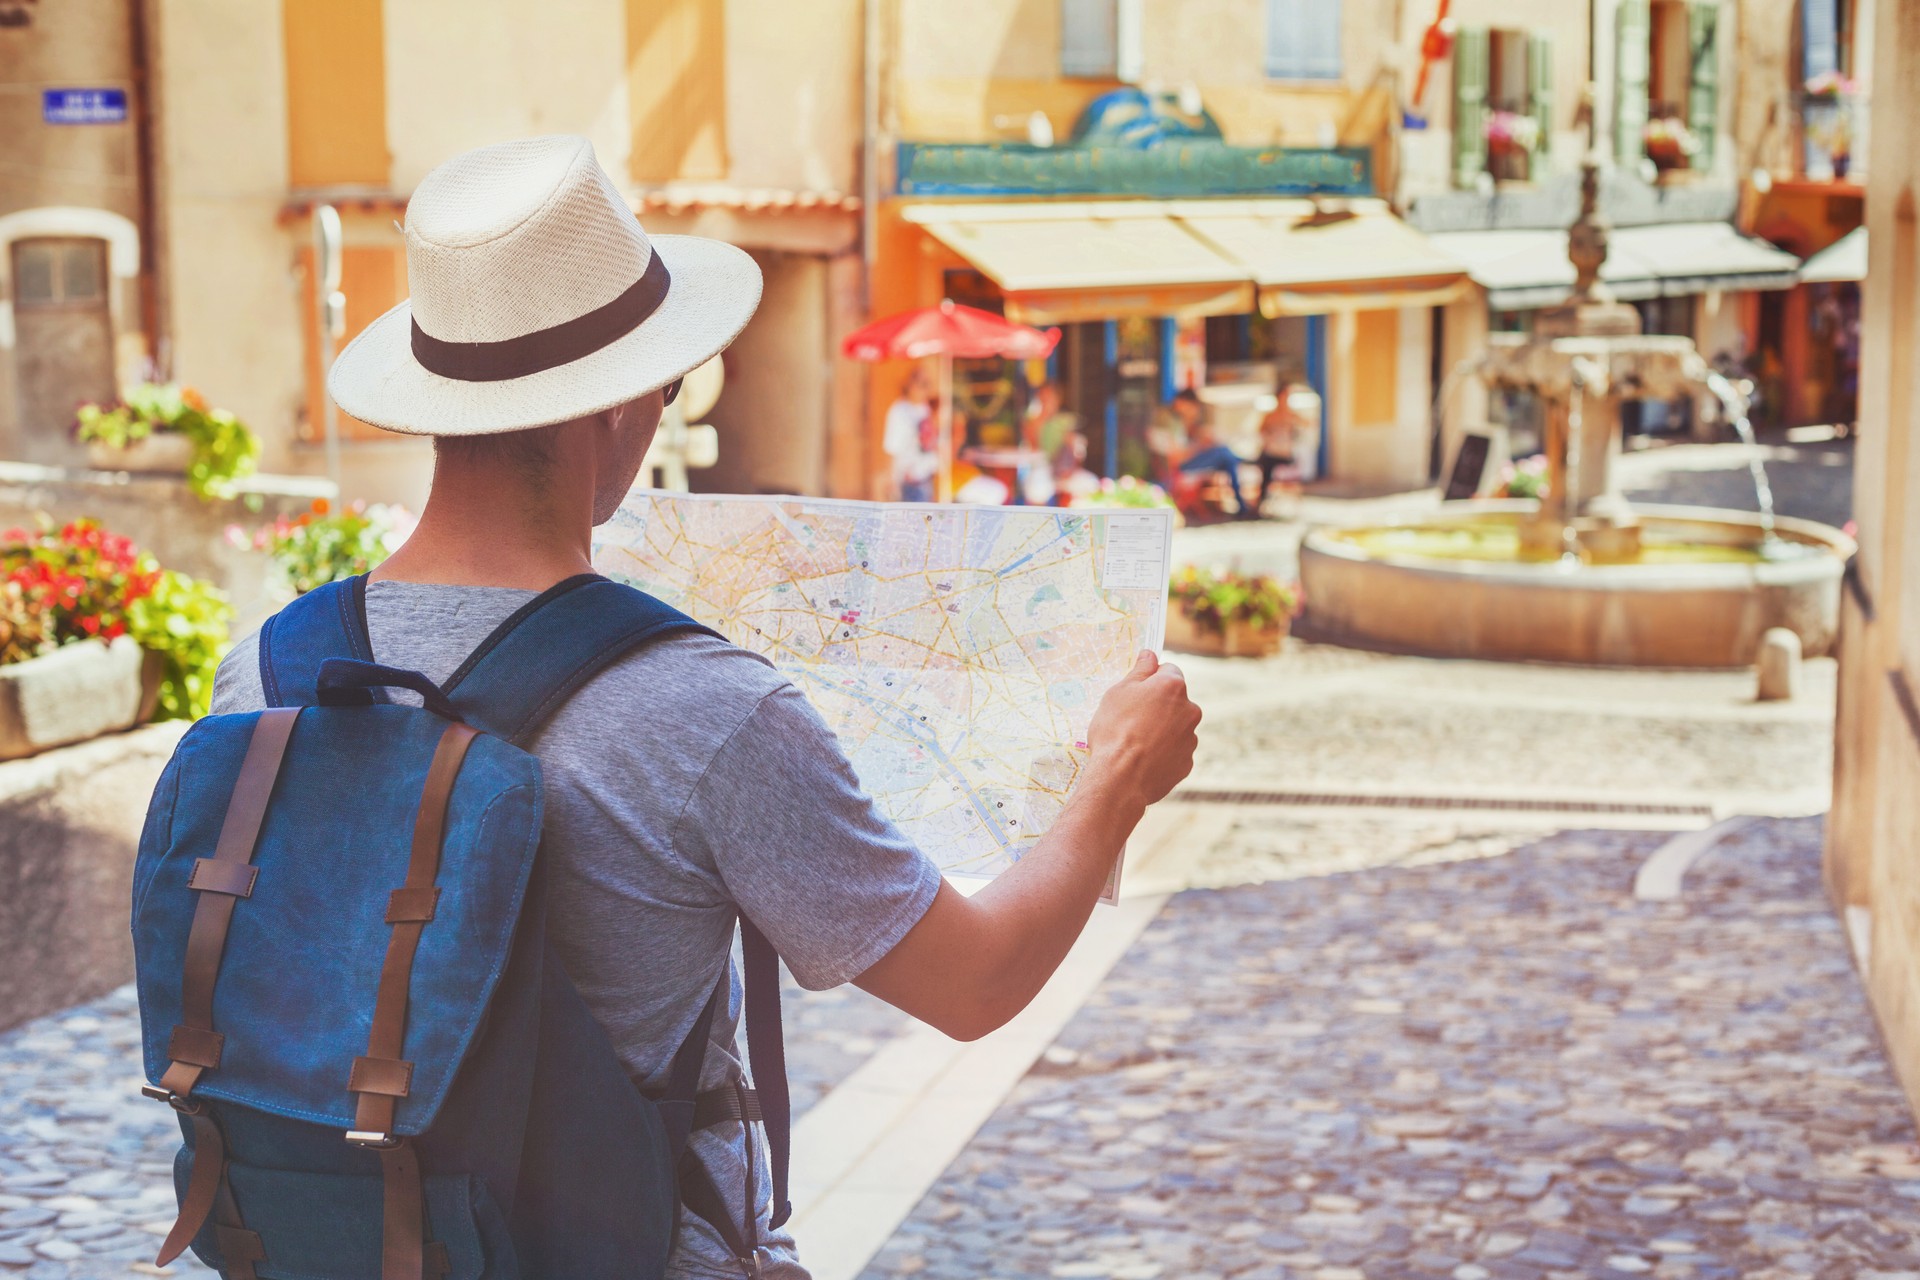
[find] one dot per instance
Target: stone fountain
(1582, 575)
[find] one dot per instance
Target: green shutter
(1633, 34)
(1469, 106)
(1703, 97)
(1540, 103)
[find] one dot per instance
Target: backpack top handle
(349, 682)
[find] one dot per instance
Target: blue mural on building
(1133, 143)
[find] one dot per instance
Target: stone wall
(69, 825)
(163, 516)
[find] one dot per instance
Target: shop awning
(1308, 260)
(1521, 270)
(1842, 262)
(1060, 262)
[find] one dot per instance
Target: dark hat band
(548, 348)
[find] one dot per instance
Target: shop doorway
(63, 338)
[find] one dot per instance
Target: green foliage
(185, 621)
(322, 545)
(225, 451)
(1214, 597)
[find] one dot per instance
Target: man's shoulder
(693, 686)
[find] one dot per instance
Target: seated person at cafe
(1203, 452)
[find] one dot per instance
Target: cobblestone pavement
(85, 1161)
(1321, 717)
(1502, 1069)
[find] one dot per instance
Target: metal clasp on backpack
(185, 1106)
(371, 1138)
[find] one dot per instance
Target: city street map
(958, 652)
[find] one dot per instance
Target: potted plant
(1511, 139)
(1669, 143)
(1225, 613)
(1526, 478)
(164, 427)
(95, 637)
(323, 545)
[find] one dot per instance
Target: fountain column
(1570, 361)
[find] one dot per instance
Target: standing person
(687, 784)
(1279, 438)
(909, 421)
(1207, 452)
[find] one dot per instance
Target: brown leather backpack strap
(209, 1194)
(221, 881)
(403, 1233)
(382, 1077)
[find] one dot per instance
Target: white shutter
(1820, 36)
(1303, 39)
(1089, 37)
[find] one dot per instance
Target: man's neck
(485, 526)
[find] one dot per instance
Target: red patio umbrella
(947, 331)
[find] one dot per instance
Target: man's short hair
(530, 450)
(1187, 395)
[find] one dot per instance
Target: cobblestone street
(1500, 1069)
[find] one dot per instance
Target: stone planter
(1238, 640)
(163, 451)
(78, 691)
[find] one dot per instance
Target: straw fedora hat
(536, 298)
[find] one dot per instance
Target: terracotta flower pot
(1235, 640)
(163, 451)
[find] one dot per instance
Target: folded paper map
(958, 652)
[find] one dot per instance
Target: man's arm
(971, 964)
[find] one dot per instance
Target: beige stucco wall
(973, 72)
(1873, 852)
(774, 412)
(1390, 455)
(459, 76)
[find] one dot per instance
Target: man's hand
(969, 965)
(1144, 734)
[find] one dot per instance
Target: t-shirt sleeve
(801, 849)
(236, 685)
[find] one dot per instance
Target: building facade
(1194, 193)
(723, 119)
(78, 293)
(1873, 839)
(1661, 90)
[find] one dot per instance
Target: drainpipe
(151, 312)
(869, 143)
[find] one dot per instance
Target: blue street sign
(83, 106)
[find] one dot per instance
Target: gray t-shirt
(684, 783)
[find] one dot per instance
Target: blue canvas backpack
(349, 993)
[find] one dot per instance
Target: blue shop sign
(83, 106)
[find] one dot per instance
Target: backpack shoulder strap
(556, 642)
(328, 622)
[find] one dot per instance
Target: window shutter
(1469, 106)
(1303, 39)
(1089, 37)
(1703, 94)
(1633, 34)
(1820, 37)
(1540, 103)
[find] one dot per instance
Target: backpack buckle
(185, 1106)
(371, 1138)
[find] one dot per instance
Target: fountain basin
(1702, 597)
